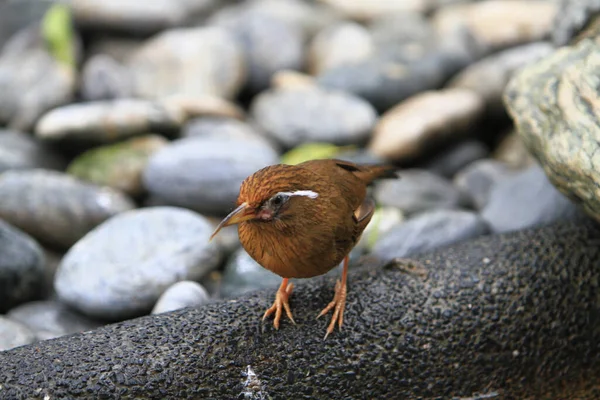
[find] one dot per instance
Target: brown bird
(300, 221)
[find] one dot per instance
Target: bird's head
(272, 194)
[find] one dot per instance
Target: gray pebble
(270, 44)
(14, 334)
(527, 200)
(21, 267)
(295, 116)
(419, 190)
(22, 151)
(103, 78)
(429, 231)
(54, 207)
(205, 174)
(181, 295)
(50, 319)
(480, 177)
(189, 61)
(120, 269)
(454, 158)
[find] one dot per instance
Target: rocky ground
(126, 130)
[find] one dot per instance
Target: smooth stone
(513, 151)
(205, 174)
(270, 44)
(367, 10)
(478, 178)
(21, 267)
(119, 48)
(225, 129)
(498, 24)
(195, 106)
(295, 116)
(527, 200)
(310, 17)
(244, 275)
(14, 15)
(22, 151)
(454, 158)
(14, 334)
(50, 319)
(383, 220)
(189, 61)
(108, 121)
(181, 295)
(119, 165)
(419, 190)
(489, 76)
(401, 29)
(103, 78)
(554, 105)
(120, 269)
(32, 81)
(415, 126)
(338, 45)
(136, 16)
(54, 207)
(429, 231)
(572, 18)
(288, 79)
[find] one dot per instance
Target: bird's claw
(281, 301)
(339, 302)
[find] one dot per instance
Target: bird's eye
(278, 200)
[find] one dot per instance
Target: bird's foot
(338, 304)
(281, 301)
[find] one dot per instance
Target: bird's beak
(240, 214)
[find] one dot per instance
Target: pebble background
(124, 136)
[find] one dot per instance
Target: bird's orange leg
(339, 301)
(281, 300)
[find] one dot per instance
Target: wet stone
(21, 267)
(121, 268)
(54, 207)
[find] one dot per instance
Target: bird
(302, 220)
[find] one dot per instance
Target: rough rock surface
(512, 315)
(554, 104)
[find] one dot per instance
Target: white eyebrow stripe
(304, 193)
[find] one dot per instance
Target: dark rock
(54, 207)
(296, 116)
(516, 312)
(512, 151)
(429, 231)
(180, 295)
(21, 267)
(120, 269)
(419, 190)
(13, 334)
(50, 319)
(456, 157)
(205, 174)
(527, 200)
(479, 177)
(21, 151)
(554, 104)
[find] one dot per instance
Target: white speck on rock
(253, 387)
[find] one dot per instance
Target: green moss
(312, 151)
(57, 30)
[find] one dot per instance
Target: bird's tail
(370, 173)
